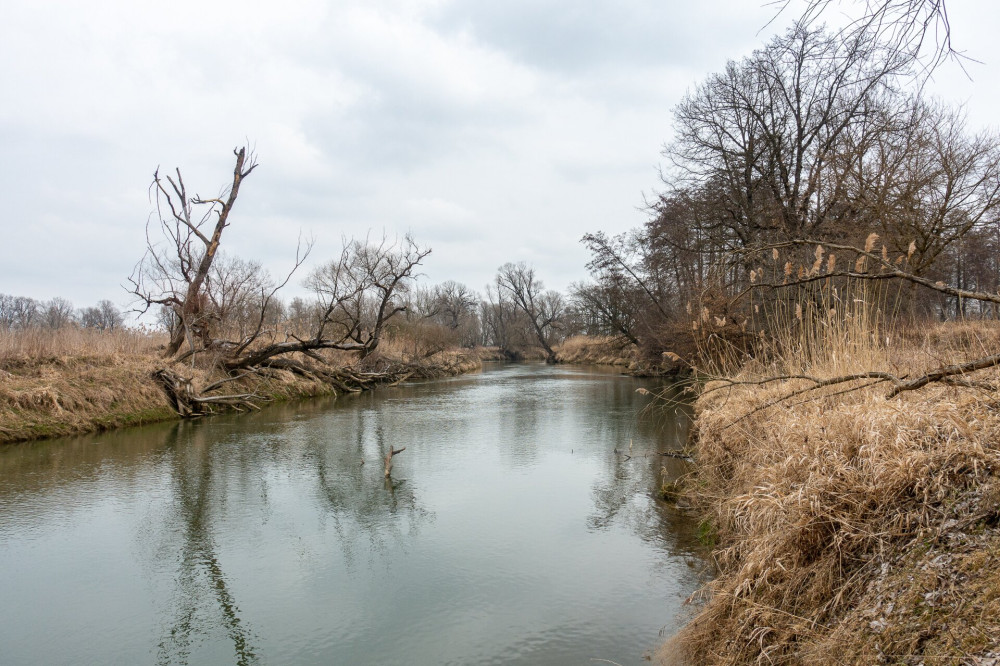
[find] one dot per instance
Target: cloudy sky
(493, 131)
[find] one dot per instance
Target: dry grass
(67, 395)
(35, 344)
(56, 383)
(597, 350)
(615, 350)
(852, 529)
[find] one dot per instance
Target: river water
(511, 531)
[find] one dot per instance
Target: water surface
(512, 531)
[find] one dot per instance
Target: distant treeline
(24, 313)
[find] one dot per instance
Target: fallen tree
(200, 296)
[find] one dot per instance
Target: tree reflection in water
(364, 508)
(628, 491)
(200, 577)
(263, 537)
(361, 504)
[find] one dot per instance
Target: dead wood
(953, 374)
(388, 459)
(188, 402)
(871, 266)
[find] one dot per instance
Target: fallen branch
(945, 373)
(189, 403)
(948, 374)
(677, 454)
(388, 459)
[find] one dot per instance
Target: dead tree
(225, 308)
(388, 459)
(173, 271)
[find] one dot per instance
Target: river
(511, 532)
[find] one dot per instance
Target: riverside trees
(175, 268)
(224, 309)
(22, 313)
(814, 136)
(544, 311)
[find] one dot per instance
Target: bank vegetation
(823, 256)
(79, 380)
(852, 522)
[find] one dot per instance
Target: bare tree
(450, 306)
(544, 309)
(23, 312)
(174, 270)
(6, 312)
(603, 312)
(932, 184)
(456, 302)
(18, 312)
(302, 316)
(501, 321)
(918, 29)
(227, 308)
(105, 316)
(358, 295)
(363, 289)
(57, 314)
(236, 289)
(770, 133)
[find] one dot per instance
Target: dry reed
(852, 528)
(39, 343)
(596, 350)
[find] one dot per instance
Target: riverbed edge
(619, 352)
(851, 529)
(65, 396)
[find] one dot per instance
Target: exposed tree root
(190, 402)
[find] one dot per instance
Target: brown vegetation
(618, 351)
(852, 527)
(76, 380)
(595, 350)
(73, 381)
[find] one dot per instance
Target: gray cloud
(493, 132)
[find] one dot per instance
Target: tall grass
(852, 528)
(41, 343)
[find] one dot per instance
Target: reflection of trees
(626, 493)
(200, 576)
(361, 503)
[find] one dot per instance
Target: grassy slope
(608, 350)
(80, 382)
(68, 395)
(852, 529)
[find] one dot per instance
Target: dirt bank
(850, 528)
(53, 396)
(609, 350)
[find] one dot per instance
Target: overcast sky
(493, 131)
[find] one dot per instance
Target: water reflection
(363, 506)
(199, 579)
(511, 532)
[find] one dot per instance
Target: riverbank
(54, 395)
(610, 350)
(851, 528)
